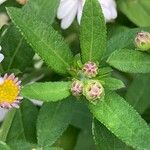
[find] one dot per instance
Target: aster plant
(91, 93)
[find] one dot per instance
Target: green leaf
(112, 83)
(43, 39)
(123, 40)
(137, 11)
(122, 120)
(4, 146)
(53, 120)
(48, 91)
(24, 124)
(130, 61)
(22, 145)
(138, 93)
(93, 32)
(45, 8)
(105, 140)
(4, 130)
(15, 50)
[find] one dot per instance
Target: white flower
(2, 1)
(69, 9)
(1, 55)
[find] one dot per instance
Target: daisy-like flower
(69, 9)
(9, 92)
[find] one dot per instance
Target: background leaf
(4, 146)
(24, 123)
(122, 120)
(18, 54)
(53, 120)
(138, 11)
(48, 91)
(93, 32)
(131, 61)
(123, 40)
(43, 39)
(138, 93)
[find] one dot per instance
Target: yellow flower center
(8, 91)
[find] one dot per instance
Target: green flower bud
(142, 41)
(93, 91)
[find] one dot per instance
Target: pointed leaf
(130, 61)
(112, 83)
(122, 120)
(48, 91)
(52, 121)
(93, 32)
(138, 93)
(137, 11)
(105, 140)
(43, 39)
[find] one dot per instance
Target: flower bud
(142, 41)
(22, 2)
(93, 91)
(90, 69)
(77, 88)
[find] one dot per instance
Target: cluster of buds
(9, 91)
(91, 89)
(90, 69)
(142, 41)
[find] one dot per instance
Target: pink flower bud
(142, 41)
(22, 2)
(77, 88)
(90, 69)
(93, 91)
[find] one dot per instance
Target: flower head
(69, 9)
(9, 92)
(90, 69)
(77, 88)
(93, 91)
(142, 41)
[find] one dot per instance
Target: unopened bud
(77, 88)
(90, 69)
(22, 2)
(93, 91)
(142, 41)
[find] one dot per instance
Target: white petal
(65, 7)
(80, 10)
(67, 21)
(113, 13)
(1, 80)
(1, 57)
(2, 1)
(3, 113)
(106, 13)
(36, 102)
